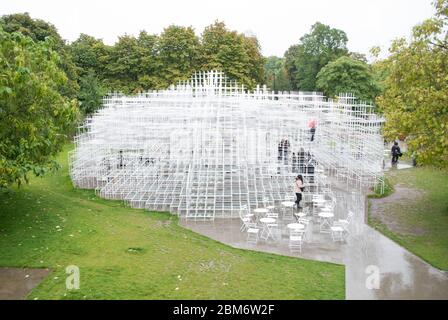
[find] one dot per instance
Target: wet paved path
(402, 274)
(16, 283)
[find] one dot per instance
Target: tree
(91, 93)
(89, 53)
(178, 50)
(415, 101)
(290, 65)
(346, 75)
(315, 50)
(236, 55)
(40, 31)
(276, 76)
(34, 116)
(256, 60)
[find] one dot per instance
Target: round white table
(296, 226)
(267, 220)
(288, 204)
(325, 225)
(261, 210)
(326, 209)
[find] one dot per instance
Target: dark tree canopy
(276, 76)
(346, 75)
(316, 49)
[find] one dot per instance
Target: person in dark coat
(301, 160)
(294, 162)
(286, 146)
(280, 149)
(396, 153)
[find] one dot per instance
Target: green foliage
(315, 50)
(415, 101)
(235, 54)
(276, 75)
(34, 116)
(89, 53)
(382, 189)
(41, 31)
(91, 93)
(346, 75)
(178, 53)
(155, 62)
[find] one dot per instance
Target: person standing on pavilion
(312, 125)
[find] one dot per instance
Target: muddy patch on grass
(402, 199)
(17, 283)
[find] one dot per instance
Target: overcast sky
(277, 23)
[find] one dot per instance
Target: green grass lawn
(126, 253)
(428, 214)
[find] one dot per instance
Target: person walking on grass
(298, 188)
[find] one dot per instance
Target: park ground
(415, 213)
(125, 253)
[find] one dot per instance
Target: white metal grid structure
(207, 147)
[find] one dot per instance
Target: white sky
(277, 23)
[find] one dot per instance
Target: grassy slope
(96, 235)
(430, 214)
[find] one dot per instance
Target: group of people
(303, 162)
(283, 149)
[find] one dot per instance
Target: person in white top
(298, 188)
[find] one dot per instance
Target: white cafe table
(288, 204)
(267, 220)
(261, 210)
(296, 226)
(326, 224)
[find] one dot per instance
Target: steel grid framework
(206, 147)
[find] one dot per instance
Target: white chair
(272, 215)
(344, 224)
(349, 218)
(337, 233)
(244, 224)
(295, 241)
(252, 233)
(304, 221)
(245, 218)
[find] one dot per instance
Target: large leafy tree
(346, 75)
(34, 116)
(316, 49)
(178, 52)
(256, 60)
(89, 54)
(415, 101)
(39, 31)
(230, 52)
(122, 69)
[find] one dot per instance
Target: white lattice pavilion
(207, 147)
